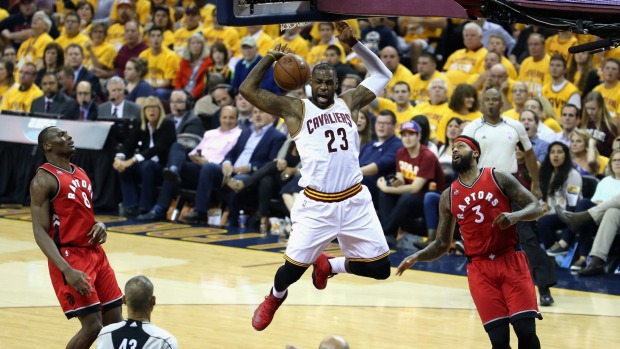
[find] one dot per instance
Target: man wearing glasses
(20, 99)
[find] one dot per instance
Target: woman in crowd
(364, 126)
(219, 56)
(138, 89)
(425, 134)
(194, 64)
(53, 60)
(560, 183)
(522, 175)
(464, 103)
(101, 53)
(547, 124)
(582, 73)
(584, 153)
(7, 79)
(150, 143)
(86, 12)
(596, 119)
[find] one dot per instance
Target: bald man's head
(139, 294)
(334, 342)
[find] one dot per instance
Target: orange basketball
(291, 72)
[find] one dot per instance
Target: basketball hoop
(285, 26)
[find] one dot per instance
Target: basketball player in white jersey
(333, 204)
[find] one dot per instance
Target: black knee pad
(379, 269)
(499, 336)
(525, 329)
(287, 275)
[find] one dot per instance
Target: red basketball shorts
(105, 293)
(502, 288)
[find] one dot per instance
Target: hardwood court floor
(206, 295)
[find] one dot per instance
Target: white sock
(337, 265)
(276, 293)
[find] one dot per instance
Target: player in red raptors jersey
(65, 229)
(497, 271)
(334, 203)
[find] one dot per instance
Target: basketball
(291, 72)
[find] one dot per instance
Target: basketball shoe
(321, 271)
(263, 315)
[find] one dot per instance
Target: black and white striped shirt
(133, 334)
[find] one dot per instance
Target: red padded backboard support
(419, 8)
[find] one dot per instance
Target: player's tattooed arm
(530, 207)
(445, 230)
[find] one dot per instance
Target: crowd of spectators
(171, 67)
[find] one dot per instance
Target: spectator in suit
(255, 147)
(65, 78)
(75, 58)
(185, 169)
(20, 98)
(85, 99)
(245, 111)
(152, 141)
(182, 114)
(53, 101)
(223, 95)
(118, 106)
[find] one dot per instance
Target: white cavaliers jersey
(133, 334)
(328, 147)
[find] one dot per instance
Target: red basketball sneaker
(321, 271)
(266, 310)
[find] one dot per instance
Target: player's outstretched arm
(264, 100)
(41, 188)
(531, 208)
(378, 74)
(442, 242)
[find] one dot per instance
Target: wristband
(272, 56)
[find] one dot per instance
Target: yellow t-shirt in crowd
(556, 46)
(512, 113)
(32, 49)
(298, 45)
(116, 36)
(264, 43)
(353, 23)
(535, 74)
(401, 117)
(226, 35)
(64, 41)
(105, 54)
(20, 100)
(161, 67)
(143, 8)
(443, 124)
(512, 72)
(419, 87)
(559, 99)
(3, 14)
(434, 114)
(461, 64)
(317, 54)
(400, 74)
(3, 89)
(181, 36)
(611, 97)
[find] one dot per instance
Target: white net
(285, 26)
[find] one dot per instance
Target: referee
(137, 332)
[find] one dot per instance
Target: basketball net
(285, 26)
